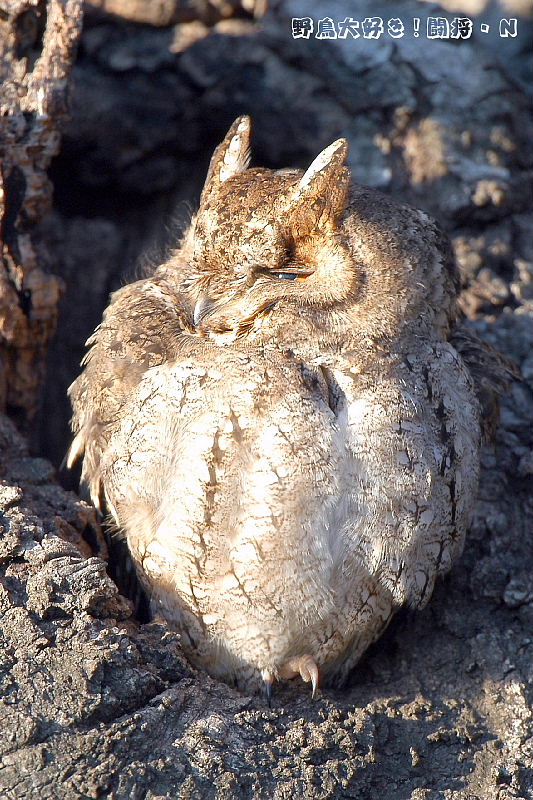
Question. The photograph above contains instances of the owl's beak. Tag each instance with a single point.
(204, 306)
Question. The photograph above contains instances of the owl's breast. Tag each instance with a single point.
(269, 504)
(239, 460)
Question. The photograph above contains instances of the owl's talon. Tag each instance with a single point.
(314, 680)
(268, 680)
(304, 666)
(268, 693)
(309, 672)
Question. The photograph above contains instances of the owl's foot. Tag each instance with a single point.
(304, 666)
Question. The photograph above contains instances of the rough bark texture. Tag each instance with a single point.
(37, 41)
(94, 704)
(169, 12)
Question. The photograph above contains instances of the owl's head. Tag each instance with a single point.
(342, 261)
(265, 236)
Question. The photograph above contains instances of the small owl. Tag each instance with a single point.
(283, 419)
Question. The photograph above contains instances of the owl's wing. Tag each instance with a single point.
(144, 325)
(414, 433)
(491, 371)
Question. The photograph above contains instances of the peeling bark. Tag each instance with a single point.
(37, 42)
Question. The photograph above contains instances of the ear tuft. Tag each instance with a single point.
(237, 154)
(325, 166)
(230, 158)
(321, 194)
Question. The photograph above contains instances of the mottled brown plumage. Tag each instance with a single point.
(283, 419)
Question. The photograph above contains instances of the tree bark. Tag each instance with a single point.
(170, 12)
(37, 43)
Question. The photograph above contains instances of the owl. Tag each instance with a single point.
(284, 419)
